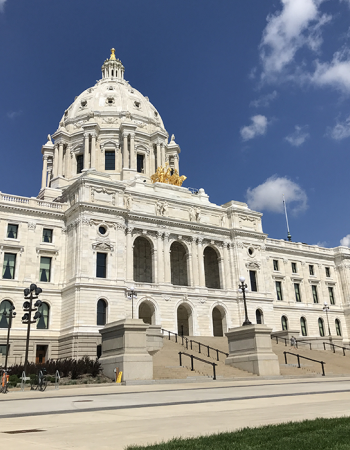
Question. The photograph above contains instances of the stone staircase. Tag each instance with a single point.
(166, 362)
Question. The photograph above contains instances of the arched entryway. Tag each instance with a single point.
(147, 312)
(142, 260)
(184, 320)
(219, 321)
(211, 268)
(178, 263)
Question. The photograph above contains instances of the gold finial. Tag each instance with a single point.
(112, 58)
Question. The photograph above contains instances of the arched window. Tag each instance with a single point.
(142, 260)
(303, 326)
(337, 327)
(178, 263)
(284, 322)
(259, 316)
(321, 327)
(101, 312)
(43, 322)
(219, 321)
(211, 268)
(5, 305)
(147, 312)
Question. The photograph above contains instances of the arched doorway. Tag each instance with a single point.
(184, 320)
(211, 268)
(178, 263)
(142, 260)
(147, 312)
(219, 321)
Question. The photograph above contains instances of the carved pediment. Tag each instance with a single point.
(106, 246)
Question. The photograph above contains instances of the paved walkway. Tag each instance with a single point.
(106, 417)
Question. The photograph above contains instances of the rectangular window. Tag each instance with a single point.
(314, 293)
(275, 264)
(253, 285)
(3, 349)
(110, 160)
(101, 265)
(45, 269)
(279, 290)
(47, 235)
(8, 270)
(140, 163)
(294, 267)
(328, 272)
(12, 231)
(331, 295)
(80, 163)
(297, 292)
(311, 270)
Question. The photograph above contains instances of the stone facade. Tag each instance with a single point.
(109, 227)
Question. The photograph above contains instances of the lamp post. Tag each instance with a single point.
(131, 294)
(29, 295)
(10, 315)
(243, 288)
(326, 309)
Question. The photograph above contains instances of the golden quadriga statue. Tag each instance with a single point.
(168, 176)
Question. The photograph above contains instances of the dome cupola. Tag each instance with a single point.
(113, 67)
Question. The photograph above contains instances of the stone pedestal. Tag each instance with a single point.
(124, 346)
(154, 339)
(250, 349)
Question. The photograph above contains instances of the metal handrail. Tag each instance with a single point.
(304, 342)
(335, 345)
(208, 349)
(304, 357)
(176, 336)
(288, 340)
(282, 338)
(199, 359)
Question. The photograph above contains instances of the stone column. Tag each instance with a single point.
(155, 265)
(73, 164)
(227, 272)
(159, 159)
(60, 159)
(160, 257)
(93, 151)
(167, 277)
(223, 284)
(176, 162)
(55, 162)
(194, 278)
(86, 151)
(68, 162)
(201, 263)
(162, 152)
(132, 151)
(44, 174)
(125, 151)
(129, 255)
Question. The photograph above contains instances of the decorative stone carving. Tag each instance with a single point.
(161, 208)
(110, 120)
(102, 194)
(31, 226)
(223, 220)
(103, 246)
(254, 265)
(128, 202)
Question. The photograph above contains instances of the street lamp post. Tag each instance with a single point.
(243, 288)
(11, 314)
(29, 295)
(131, 294)
(326, 309)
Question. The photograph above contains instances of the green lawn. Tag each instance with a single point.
(319, 434)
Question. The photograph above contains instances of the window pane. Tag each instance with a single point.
(101, 312)
(337, 327)
(297, 292)
(47, 235)
(320, 327)
(101, 265)
(284, 321)
(43, 322)
(311, 270)
(45, 268)
(253, 285)
(110, 160)
(331, 295)
(5, 305)
(275, 264)
(279, 290)
(328, 272)
(259, 316)
(314, 294)
(80, 163)
(8, 270)
(303, 326)
(140, 163)
(12, 231)
(294, 267)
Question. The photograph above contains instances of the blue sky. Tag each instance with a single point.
(256, 92)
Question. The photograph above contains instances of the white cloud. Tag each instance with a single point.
(297, 25)
(345, 241)
(299, 136)
(264, 100)
(341, 130)
(268, 195)
(257, 128)
(2, 4)
(335, 73)
(13, 114)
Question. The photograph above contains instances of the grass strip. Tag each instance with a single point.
(318, 434)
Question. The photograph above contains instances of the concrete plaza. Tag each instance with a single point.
(115, 416)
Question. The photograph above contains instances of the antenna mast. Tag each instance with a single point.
(289, 236)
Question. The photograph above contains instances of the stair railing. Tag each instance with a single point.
(182, 337)
(335, 345)
(286, 341)
(198, 359)
(304, 357)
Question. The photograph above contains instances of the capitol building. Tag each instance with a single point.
(112, 213)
